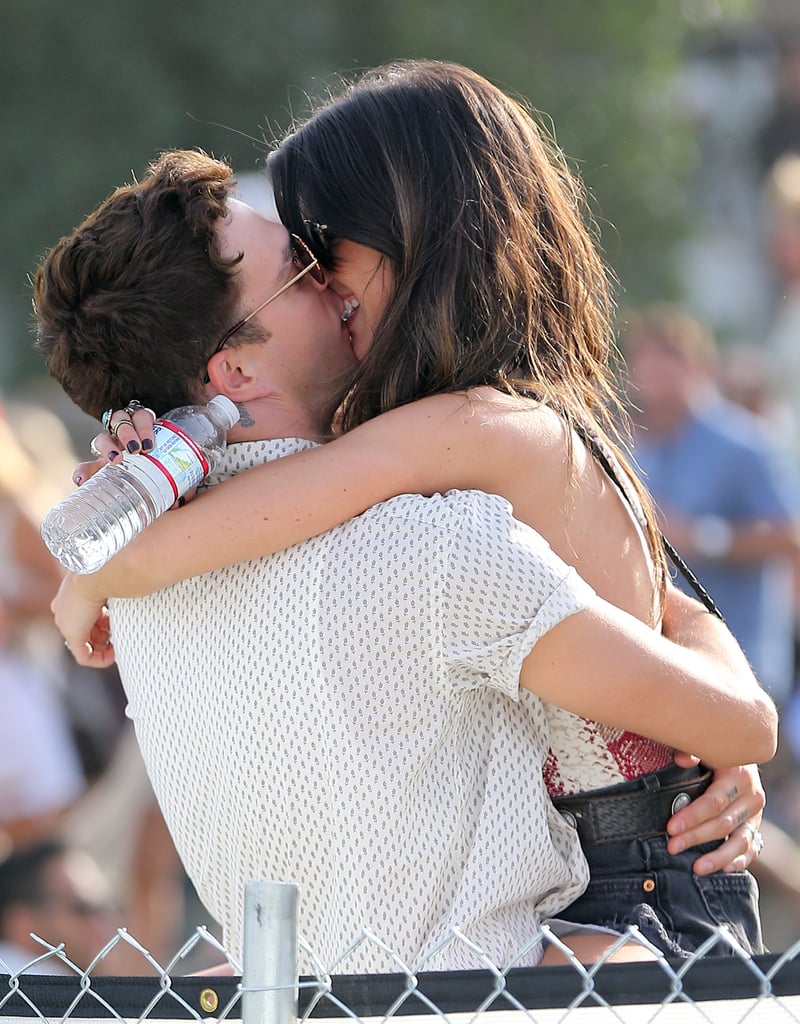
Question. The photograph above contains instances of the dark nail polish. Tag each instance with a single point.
(112, 456)
(147, 444)
(77, 479)
(133, 446)
(181, 501)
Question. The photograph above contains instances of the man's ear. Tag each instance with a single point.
(232, 372)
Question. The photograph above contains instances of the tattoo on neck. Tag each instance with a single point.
(245, 419)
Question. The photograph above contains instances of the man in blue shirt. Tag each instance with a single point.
(728, 501)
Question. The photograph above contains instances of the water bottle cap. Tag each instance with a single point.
(227, 410)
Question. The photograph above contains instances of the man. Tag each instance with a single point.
(210, 700)
(728, 500)
(312, 687)
(58, 893)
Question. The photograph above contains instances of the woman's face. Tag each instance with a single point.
(363, 279)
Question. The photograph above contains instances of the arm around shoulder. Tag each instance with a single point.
(436, 444)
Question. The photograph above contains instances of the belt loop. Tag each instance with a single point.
(651, 783)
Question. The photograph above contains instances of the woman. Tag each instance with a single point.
(472, 289)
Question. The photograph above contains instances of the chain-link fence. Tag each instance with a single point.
(266, 989)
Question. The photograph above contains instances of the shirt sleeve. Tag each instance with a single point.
(505, 589)
(769, 493)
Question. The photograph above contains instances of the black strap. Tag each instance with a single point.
(596, 448)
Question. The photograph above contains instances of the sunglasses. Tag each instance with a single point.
(303, 258)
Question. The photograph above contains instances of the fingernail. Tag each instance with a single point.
(181, 502)
(112, 456)
(77, 479)
(133, 446)
(147, 444)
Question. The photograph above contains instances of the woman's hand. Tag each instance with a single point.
(730, 809)
(127, 430)
(81, 616)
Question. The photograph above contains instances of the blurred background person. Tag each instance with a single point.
(41, 775)
(119, 821)
(70, 769)
(58, 893)
(782, 340)
(746, 379)
(728, 500)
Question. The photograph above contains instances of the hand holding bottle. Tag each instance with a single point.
(127, 430)
(127, 494)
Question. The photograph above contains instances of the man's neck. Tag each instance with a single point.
(270, 419)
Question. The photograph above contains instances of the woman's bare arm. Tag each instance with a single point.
(695, 692)
(436, 444)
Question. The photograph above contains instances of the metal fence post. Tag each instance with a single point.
(269, 953)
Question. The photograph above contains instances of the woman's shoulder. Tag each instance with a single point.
(487, 433)
(487, 407)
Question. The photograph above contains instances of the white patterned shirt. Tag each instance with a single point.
(346, 715)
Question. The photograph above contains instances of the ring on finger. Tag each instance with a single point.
(95, 450)
(757, 840)
(135, 406)
(113, 428)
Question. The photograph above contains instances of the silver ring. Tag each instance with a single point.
(66, 644)
(106, 417)
(94, 450)
(757, 840)
(135, 406)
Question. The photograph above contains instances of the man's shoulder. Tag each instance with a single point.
(445, 509)
(728, 428)
(244, 455)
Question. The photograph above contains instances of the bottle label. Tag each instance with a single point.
(175, 465)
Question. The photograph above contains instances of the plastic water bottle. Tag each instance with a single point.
(98, 519)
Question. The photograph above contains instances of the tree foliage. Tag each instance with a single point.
(95, 90)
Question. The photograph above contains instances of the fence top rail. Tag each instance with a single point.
(707, 978)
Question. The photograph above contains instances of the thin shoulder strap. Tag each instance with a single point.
(596, 448)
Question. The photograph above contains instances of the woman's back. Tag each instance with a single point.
(580, 510)
(573, 503)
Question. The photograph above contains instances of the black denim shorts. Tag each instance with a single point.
(638, 882)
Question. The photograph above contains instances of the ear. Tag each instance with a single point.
(236, 372)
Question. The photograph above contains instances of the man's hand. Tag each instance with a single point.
(734, 799)
(82, 618)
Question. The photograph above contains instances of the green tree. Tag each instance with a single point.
(94, 90)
